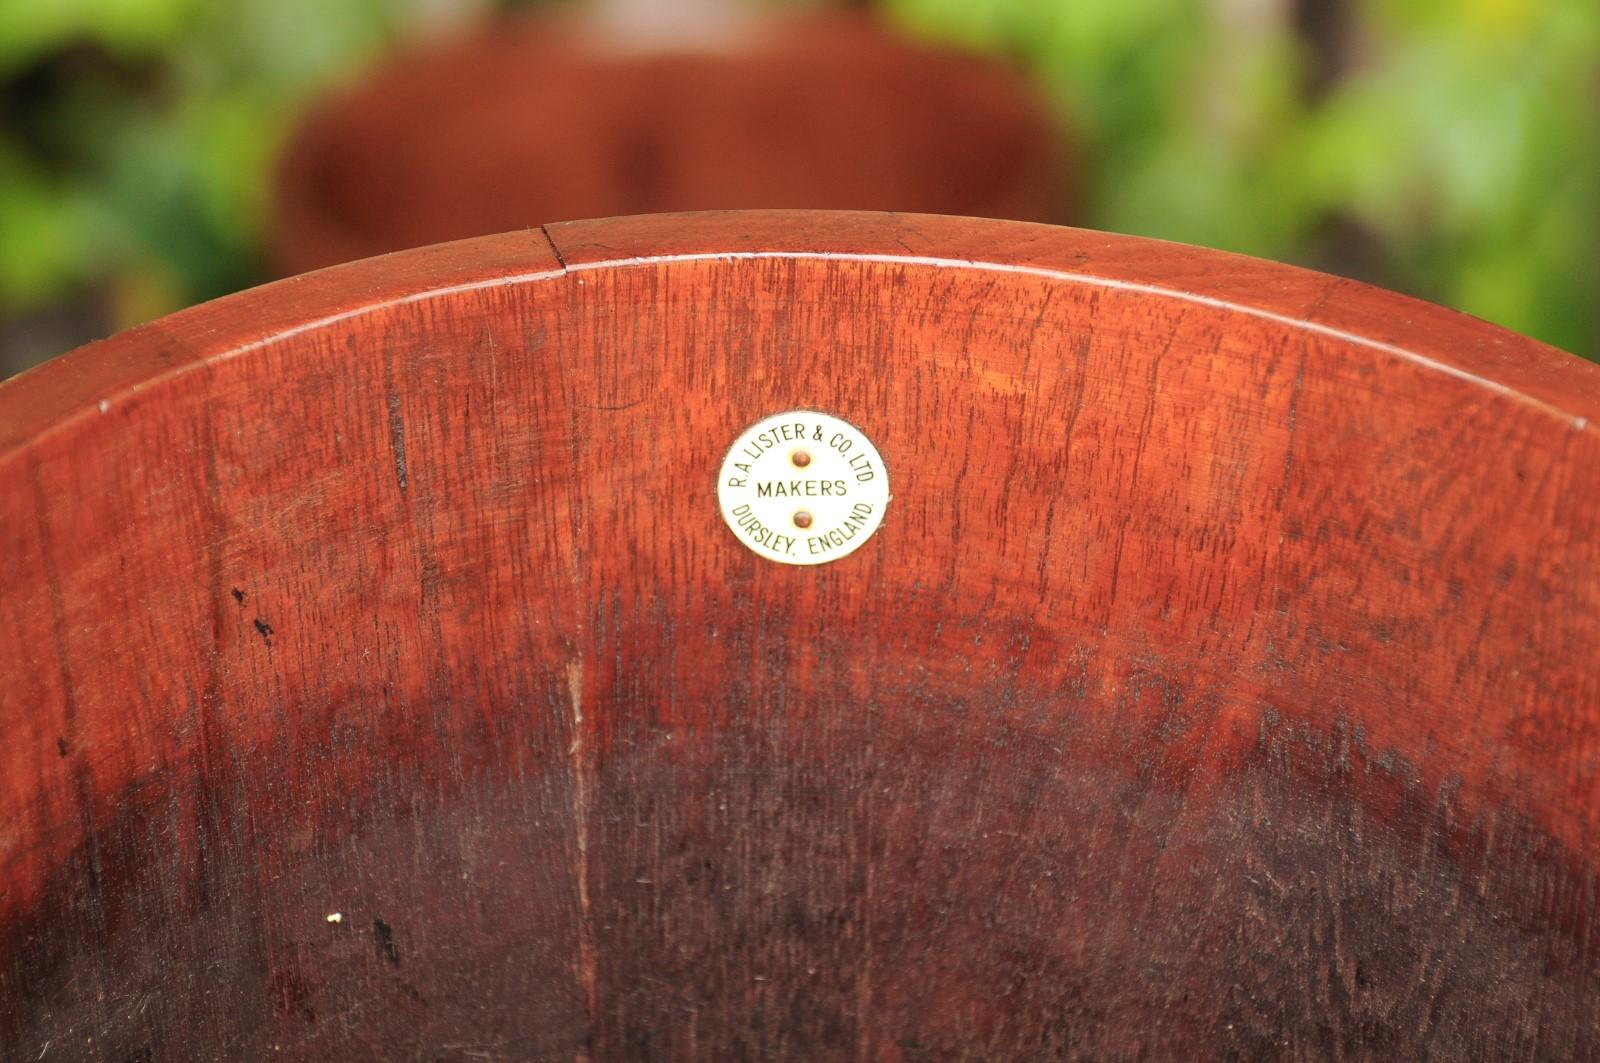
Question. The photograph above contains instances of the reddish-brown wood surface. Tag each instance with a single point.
(1221, 683)
(561, 116)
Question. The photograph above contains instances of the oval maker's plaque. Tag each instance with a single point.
(803, 488)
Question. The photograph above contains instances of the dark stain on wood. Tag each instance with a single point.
(383, 935)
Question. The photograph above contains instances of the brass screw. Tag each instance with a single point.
(802, 519)
(800, 458)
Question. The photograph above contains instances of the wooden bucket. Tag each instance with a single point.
(380, 679)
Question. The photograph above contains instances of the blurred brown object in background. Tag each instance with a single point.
(533, 120)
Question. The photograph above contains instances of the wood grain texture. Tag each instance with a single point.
(1220, 685)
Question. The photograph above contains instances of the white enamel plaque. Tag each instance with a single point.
(803, 488)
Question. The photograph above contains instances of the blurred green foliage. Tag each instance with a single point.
(1457, 141)
(138, 137)
(1453, 150)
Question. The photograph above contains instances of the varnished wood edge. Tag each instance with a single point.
(94, 379)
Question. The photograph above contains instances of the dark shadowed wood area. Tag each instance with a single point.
(379, 680)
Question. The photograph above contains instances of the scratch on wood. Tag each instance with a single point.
(397, 439)
(580, 815)
(864, 1027)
